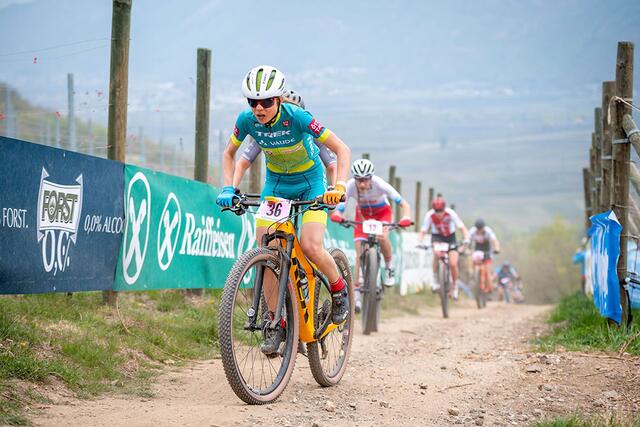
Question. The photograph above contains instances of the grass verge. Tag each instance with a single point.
(577, 325)
(612, 420)
(56, 341)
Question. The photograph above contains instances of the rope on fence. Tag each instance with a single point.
(626, 101)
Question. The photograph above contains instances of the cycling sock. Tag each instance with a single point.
(387, 262)
(338, 285)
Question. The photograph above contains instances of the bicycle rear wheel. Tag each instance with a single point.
(329, 355)
(477, 287)
(443, 274)
(255, 377)
(487, 290)
(371, 303)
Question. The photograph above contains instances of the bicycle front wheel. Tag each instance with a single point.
(443, 273)
(328, 356)
(371, 303)
(256, 378)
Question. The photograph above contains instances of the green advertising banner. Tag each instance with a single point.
(175, 236)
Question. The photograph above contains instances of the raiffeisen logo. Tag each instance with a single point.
(205, 239)
(59, 209)
(183, 233)
(136, 232)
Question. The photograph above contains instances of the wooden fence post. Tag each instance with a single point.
(431, 193)
(621, 159)
(596, 171)
(592, 175)
(597, 114)
(634, 216)
(588, 211)
(118, 93)
(418, 203)
(392, 175)
(71, 117)
(365, 156)
(398, 187)
(203, 100)
(608, 90)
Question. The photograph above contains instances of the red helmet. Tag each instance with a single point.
(438, 204)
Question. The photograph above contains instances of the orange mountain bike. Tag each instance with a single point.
(298, 306)
(481, 277)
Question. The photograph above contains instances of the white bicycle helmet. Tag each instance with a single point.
(293, 97)
(362, 168)
(262, 82)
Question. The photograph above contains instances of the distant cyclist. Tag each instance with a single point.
(506, 270)
(253, 150)
(372, 195)
(507, 275)
(484, 240)
(580, 258)
(442, 222)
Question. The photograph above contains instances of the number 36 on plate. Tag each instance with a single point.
(274, 209)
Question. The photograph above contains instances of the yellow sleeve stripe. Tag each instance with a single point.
(323, 137)
(236, 141)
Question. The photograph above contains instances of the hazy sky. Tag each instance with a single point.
(406, 76)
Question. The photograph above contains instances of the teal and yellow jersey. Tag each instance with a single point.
(288, 142)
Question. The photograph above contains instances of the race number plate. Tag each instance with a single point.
(371, 226)
(274, 209)
(477, 257)
(440, 246)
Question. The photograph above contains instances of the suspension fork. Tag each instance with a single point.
(445, 260)
(365, 246)
(285, 265)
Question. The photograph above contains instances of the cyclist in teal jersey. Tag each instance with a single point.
(253, 150)
(294, 171)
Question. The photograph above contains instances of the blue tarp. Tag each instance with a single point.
(604, 236)
(61, 218)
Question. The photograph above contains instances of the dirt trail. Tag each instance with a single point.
(419, 370)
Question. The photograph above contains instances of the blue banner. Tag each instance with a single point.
(61, 219)
(604, 250)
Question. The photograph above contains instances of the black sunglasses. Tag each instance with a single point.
(266, 103)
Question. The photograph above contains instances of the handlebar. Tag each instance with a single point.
(392, 225)
(456, 246)
(253, 200)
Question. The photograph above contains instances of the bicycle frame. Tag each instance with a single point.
(444, 256)
(484, 273)
(372, 240)
(292, 259)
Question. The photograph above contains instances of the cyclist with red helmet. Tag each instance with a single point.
(442, 222)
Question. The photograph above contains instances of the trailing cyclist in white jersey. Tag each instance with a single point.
(373, 195)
